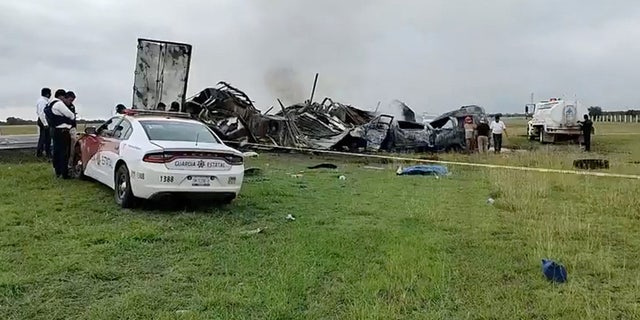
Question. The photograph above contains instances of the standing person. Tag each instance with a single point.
(44, 138)
(497, 129)
(587, 130)
(61, 120)
(469, 133)
(120, 108)
(483, 136)
(47, 112)
(73, 132)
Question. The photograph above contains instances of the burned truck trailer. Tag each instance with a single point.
(161, 74)
(328, 125)
(233, 116)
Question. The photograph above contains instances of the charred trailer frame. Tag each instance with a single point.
(161, 73)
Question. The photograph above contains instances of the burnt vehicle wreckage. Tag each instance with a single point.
(161, 74)
(327, 125)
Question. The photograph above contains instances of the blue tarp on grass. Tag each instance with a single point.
(424, 170)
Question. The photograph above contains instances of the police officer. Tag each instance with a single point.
(61, 120)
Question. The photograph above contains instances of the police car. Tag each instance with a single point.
(150, 154)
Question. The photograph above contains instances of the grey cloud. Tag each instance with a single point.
(433, 55)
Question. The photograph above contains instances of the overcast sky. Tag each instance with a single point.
(433, 55)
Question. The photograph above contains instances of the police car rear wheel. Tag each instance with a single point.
(123, 194)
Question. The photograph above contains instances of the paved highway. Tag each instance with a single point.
(23, 141)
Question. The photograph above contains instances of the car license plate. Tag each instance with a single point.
(201, 182)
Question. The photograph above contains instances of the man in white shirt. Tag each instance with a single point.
(497, 129)
(44, 139)
(62, 119)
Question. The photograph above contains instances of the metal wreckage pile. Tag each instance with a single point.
(328, 125)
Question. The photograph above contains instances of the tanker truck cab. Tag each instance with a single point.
(555, 120)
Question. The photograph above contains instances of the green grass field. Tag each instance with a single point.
(373, 246)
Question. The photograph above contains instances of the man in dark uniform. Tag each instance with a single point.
(57, 97)
(587, 130)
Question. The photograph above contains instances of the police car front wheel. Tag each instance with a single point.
(123, 194)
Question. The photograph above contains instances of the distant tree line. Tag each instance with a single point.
(13, 121)
(597, 111)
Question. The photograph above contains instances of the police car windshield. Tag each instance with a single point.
(167, 130)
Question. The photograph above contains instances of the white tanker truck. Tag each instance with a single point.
(555, 120)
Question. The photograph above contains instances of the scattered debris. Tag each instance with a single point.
(249, 154)
(373, 168)
(491, 200)
(252, 172)
(324, 166)
(254, 231)
(428, 170)
(342, 178)
(296, 176)
(591, 164)
(554, 271)
(290, 217)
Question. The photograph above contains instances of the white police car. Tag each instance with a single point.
(150, 154)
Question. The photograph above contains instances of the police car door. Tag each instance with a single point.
(115, 144)
(108, 151)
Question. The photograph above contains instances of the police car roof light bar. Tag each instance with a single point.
(137, 112)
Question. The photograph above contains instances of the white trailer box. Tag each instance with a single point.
(162, 72)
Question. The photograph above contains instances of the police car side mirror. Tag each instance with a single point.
(90, 130)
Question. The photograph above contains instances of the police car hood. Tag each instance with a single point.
(192, 146)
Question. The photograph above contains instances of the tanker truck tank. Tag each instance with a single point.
(556, 120)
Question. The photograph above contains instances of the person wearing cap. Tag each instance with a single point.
(120, 108)
(469, 133)
(483, 136)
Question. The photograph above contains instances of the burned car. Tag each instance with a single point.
(384, 132)
(476, 113)
(387, 134)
